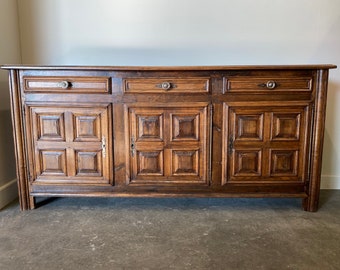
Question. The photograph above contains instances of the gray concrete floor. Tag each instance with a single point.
(125, 233)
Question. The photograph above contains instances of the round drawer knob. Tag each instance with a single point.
(166, 85)
(64, 84)
(271, 84)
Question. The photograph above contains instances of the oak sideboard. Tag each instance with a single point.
(205, 131)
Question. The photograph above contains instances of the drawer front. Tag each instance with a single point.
(67, 84)
(267, 84)
(166, 85)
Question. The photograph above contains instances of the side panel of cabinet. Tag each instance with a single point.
(168, 144)
(69, 145)
(267, 144)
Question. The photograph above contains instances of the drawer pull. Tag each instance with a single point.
(166, 85)
(268, 85)
(64, 84)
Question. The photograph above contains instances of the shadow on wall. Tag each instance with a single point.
(7, 160)
(331, 159)
(4, 92)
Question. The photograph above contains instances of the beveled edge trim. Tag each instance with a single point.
(171, 68)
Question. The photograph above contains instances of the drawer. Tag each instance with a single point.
(167, 85)
(267, 84)
(67, 84)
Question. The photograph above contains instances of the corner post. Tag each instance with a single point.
(26, 201)
(311, 203)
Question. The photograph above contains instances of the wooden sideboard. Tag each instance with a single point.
(208, 131)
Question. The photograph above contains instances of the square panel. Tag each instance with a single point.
(185, 162)
(249, 126)
(247, 162)
(53, 162)
(149, 127)
(87, 127)
(185, 127)
(150, 163)
(286, 126)
(51, 127)
(88, 163)
(284, 162)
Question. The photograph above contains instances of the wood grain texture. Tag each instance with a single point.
(313, 189)
(206, 131)
(25, 199)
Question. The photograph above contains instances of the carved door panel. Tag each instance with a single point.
(168, 145)
(266, 144)
(69, 145)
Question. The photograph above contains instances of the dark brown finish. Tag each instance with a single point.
(266, 143)
(168, 144)
(66, 84)
(162, 85)
(237, 131)
(69, 144)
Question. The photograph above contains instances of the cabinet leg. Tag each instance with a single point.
(32, 203)
(310, 204)
(26, 202)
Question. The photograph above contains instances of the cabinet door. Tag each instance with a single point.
(168, 145)
(69, 145)
(265, 144)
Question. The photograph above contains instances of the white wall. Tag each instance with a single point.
(190, 32)
(9, 53)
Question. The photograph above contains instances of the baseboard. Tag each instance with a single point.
(8, 193)
(330, 182)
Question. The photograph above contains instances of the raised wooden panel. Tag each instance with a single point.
(150, 163)
(286, 126)
(168, 144)
(87, 127)
(51, 127)
(146, 124)
(88, 163)
(150, 127)
(284, 162)
(52, 162)
(247, 162)
(185, 127)
(278, 135)
(185, 162)
(48, 125)
(249, 126)
(83, 135)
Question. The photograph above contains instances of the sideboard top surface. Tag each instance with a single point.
(172, 68)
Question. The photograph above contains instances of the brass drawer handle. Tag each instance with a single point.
(269, 84)
(64, 84)
(166, 85)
